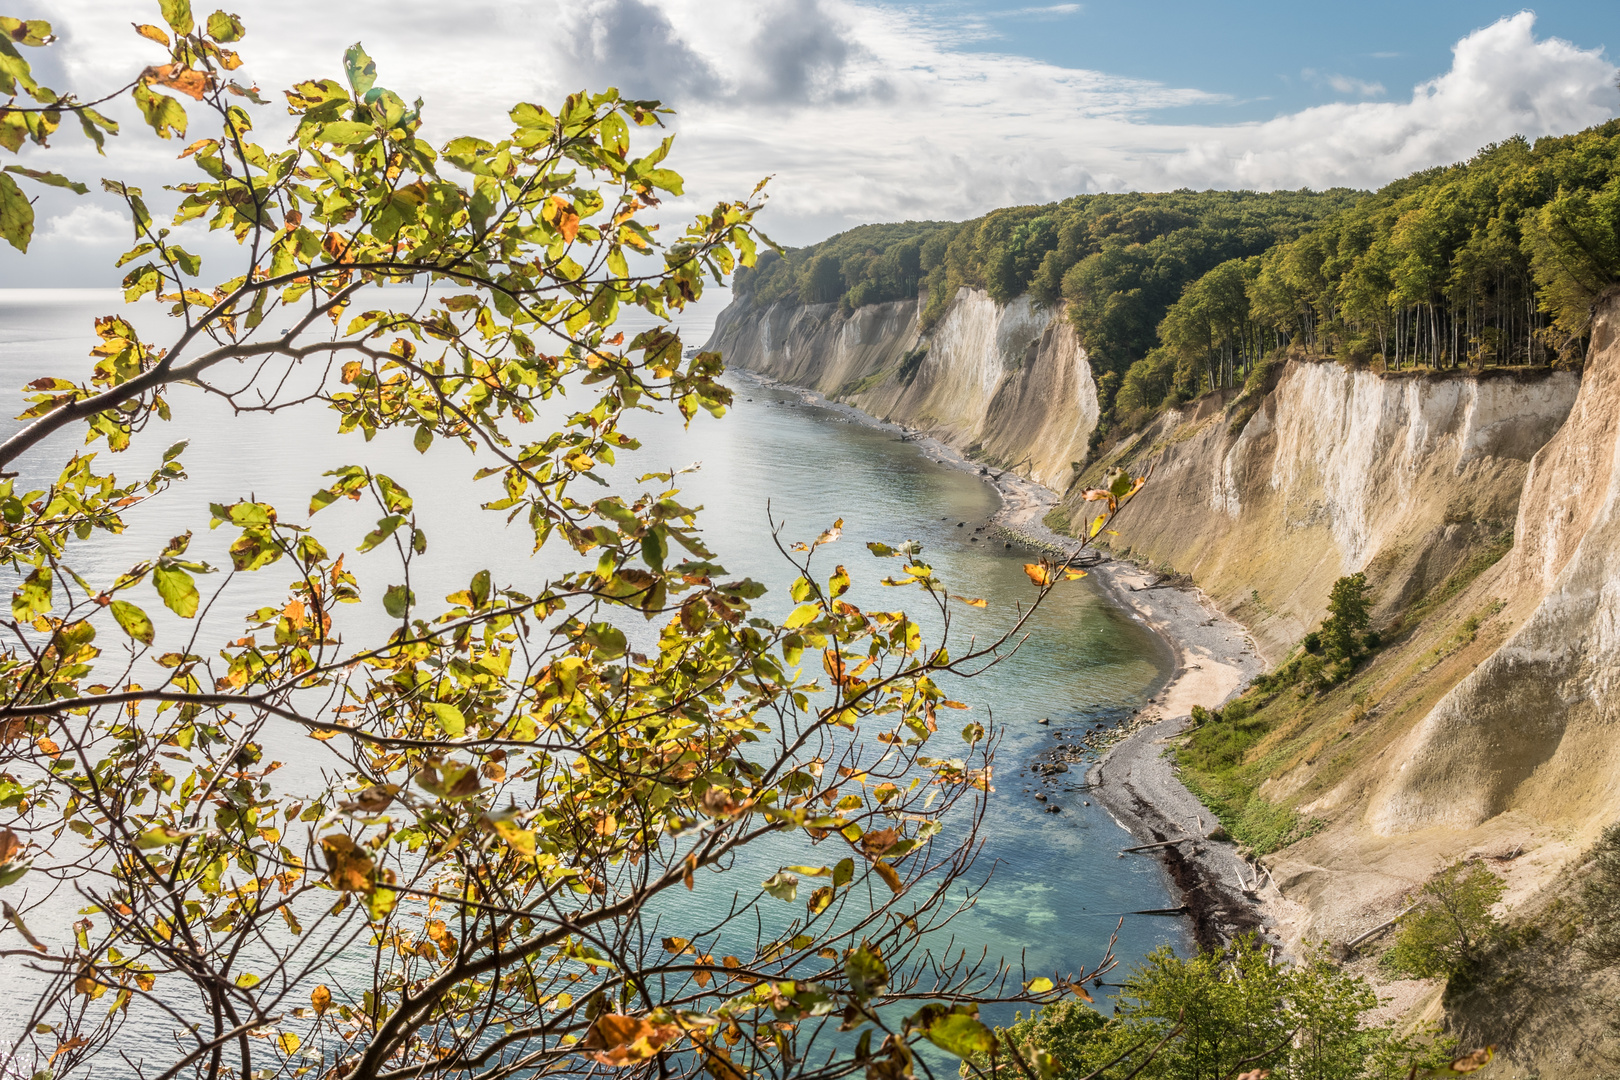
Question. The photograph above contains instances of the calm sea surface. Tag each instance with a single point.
(1056, 882)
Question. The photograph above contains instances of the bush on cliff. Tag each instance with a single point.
(1218, 1015)
(1450, 925)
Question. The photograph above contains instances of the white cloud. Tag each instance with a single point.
(1343, 84)
(1046, 11)
(86, 224)
(864, 112)
(1503, 81)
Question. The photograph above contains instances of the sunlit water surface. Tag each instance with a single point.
(1056, 882)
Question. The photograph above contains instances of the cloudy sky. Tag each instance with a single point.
(864, 111)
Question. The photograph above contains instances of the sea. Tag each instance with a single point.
(1052, 888)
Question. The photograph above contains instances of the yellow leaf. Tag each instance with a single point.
(289, 1042)
(1038, 573)
(321, 999)
(972, 601)
(152, 33)
(890, 876)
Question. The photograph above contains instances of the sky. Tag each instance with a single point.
(862, 110)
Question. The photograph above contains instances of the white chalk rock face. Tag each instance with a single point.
(1334, 471)
(1534, 727)
(1353, 445)
(1007, 382)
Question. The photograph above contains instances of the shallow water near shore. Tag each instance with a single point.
(1057, 884)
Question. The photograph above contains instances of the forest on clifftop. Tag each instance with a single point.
(1492, 261)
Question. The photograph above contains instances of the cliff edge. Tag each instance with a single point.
(1005, 383)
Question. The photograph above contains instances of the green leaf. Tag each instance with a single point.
(865, 971)
(782, 885)
(385, 528)
(381, 902)
(12, 871)
(33, 596)
(162, 835)
(134, 621)
(397, 601)
(608, 639)
(30, 32)
(49, 178)
(450, 719)
(177, 13)
(165, 115)
(962, 1035)
(803, 615)
(843, 872)
(177, 588)
(347, 132)
(16, 214)
(360, 68)
(225, 28)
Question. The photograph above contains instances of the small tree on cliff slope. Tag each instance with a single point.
(1348, 612)
(475, 870)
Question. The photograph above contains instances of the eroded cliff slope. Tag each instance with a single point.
(1267, 501)
(1008, 384)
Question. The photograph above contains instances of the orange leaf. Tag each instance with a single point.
(890, 876)
(566, 218)
(321, 998)
(188, 81)
(350, 869)
(1038, 573)
(618, 1040)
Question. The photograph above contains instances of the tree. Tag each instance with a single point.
(498, 797)
(1450, 925)
(1349, 610)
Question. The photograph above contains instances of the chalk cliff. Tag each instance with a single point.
(1008, 383)
(1485, 511)
(1267, 502)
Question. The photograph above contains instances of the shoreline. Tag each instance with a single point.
(1214, 658)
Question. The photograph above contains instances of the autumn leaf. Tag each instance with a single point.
(189, 81)
(321, 999)
(15, 919)
(890, 876)
(617, 1040)
(1038, 573)
(373, 800)
(349, 868)
(972, 601)
(827, 537)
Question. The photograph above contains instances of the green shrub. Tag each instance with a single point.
(1600, 896)
(1450, 926)
(1230, 1011)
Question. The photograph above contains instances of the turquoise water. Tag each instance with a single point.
(1055, 881)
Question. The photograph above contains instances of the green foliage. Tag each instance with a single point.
(1450, 926)
(1219, 1014)
(1329, 655)
(498, 788)
(1600, 897)
(1348, 609)
(866, 265)
(1215, 766)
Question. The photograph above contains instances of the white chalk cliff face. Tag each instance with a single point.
(1336, 471)
(1534, 727)
(1008, 383)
